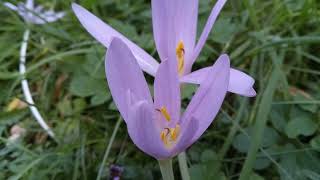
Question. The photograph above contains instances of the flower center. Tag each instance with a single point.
(180, 57)
(169, 136)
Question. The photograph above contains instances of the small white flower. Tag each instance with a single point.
(16, 133)
(35, 14)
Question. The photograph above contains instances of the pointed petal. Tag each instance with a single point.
(167, 89)
(206, 31)
(239, 83)
(51, 16)
(10, 6)
(46, 16)
(174, 21)
(104, 34)
(143, 131)
(208, 99)
(39, 9)
(123, 74)
(29, 4)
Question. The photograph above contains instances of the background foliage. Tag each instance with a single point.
(275, 134)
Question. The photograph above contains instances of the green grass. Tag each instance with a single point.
(272, 136)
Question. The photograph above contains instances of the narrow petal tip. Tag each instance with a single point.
(74, 6)
(224, 60)
(10, 6)
(251, 93)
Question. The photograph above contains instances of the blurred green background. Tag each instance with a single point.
(272, 136)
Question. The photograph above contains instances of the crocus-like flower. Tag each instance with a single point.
(35, 15)
(156, 126)
(174, 27)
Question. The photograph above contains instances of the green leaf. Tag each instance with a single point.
(208, 155)
(315, 143)
(301, 126)
(79, 105)
(203, 172)
(242, 142)
(310, 174)
(223, 30)
(100, 98)
(308, 107)
(294, 5)
(255, 176)
(83, 85)
(261, 163)
(277, 117)
(94, 63)
(65, 107)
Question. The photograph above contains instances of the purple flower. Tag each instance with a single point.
(35, 15)
(156, 126)
(174, 27)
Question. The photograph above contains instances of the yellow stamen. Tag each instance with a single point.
(163, 136)
(165, 113)
(169, 136)
(180, 56)
(174, 132)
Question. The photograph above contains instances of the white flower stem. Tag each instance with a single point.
(182, 157)
(25, 85)
(166, 169)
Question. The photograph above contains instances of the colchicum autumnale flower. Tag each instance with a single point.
(174, 27)
(35, 14)
(156, 126)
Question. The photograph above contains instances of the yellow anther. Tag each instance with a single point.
(180, 56)
(163, 136)
(169, 136)
(174, 132)
(165, 113)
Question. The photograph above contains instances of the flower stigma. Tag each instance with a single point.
(180, 57)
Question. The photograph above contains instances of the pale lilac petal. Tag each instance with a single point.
(167, 90)
(42, 17)
(144, 132)
(123, 74)
(51, 16)
(206, 31)
(174, 21)
(10, 6)
(208, 99)
(195, 77)
(104, 34)
(39, 9)
(160, 22)
(29, 4)
(239, 83)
